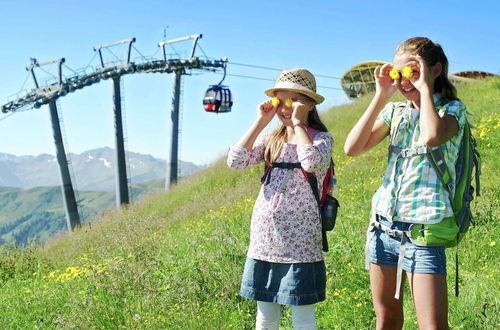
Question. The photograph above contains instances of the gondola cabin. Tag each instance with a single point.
(218, 99)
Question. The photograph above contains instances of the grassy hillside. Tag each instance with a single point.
(174, 261)
(34, 215)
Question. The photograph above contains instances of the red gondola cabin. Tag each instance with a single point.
(217, 99)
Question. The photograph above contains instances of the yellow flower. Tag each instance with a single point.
(394, 73)
(288, 102)
(493, 243)
(407, 72)
(275, 101)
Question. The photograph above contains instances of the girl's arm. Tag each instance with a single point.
(312, 156)
(369, 130)
(435, 130)
(265, 113)
(249, 150)
(299, 117)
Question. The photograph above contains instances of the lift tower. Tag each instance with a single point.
(122, 196)
(68, 194)
(173, 161)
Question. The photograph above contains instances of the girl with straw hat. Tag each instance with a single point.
(285, 263)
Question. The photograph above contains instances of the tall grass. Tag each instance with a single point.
(174, 261)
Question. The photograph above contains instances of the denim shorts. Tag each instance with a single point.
(284, 284)
(384, 250)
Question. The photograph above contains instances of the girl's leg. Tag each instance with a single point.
(303, 317)
(268, 316)
(389, 310)
(430, 297)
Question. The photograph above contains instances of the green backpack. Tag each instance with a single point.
(449, 231)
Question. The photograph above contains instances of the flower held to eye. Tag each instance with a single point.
(407, 72)
(275, 101)
(394, 73)
(288, 102)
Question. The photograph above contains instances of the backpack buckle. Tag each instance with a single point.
(410, 152)
(394, 232)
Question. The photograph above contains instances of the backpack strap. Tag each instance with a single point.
(396, 120)
(266, 178)
(330, 173)
(404, 235)
(476, 158)
(313, 182)
(436, 158)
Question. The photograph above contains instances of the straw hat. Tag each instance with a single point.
(296, 80)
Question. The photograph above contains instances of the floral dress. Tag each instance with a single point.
(286, 227)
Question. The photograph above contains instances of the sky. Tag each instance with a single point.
(326, 37)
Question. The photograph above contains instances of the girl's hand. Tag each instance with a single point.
(422, 77)
(300, 112)
(384, 84)
(266, 111)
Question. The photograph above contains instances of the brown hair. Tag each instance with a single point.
(432, 53)
(278, 136)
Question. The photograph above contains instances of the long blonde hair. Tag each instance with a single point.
(279, 135)
(432, 53)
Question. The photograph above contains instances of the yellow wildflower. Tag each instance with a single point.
(288, 102)
(407, 72)
(493, 243)
(275, 101)
(394, 73)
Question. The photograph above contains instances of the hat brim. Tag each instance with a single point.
(297, 89)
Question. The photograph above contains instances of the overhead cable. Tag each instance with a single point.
(276, 69)
(267, 79)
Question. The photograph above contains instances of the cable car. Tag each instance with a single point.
(218, 97)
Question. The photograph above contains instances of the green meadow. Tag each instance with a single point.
(174, 260)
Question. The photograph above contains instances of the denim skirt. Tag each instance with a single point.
(284, 284)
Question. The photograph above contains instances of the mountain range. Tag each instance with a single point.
(30, 195)
(92, 170)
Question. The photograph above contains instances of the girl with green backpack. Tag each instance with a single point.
(412, 200)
